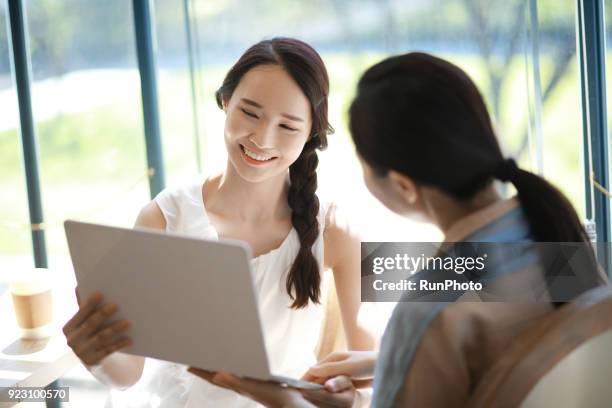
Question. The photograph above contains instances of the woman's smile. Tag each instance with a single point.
(252, 157)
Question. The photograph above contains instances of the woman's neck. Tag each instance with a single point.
(231, 196)
(445, 211)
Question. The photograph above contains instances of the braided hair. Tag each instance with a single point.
(307, 69)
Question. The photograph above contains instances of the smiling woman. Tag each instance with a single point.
(273, 87)
(275, 101)
(258, 128)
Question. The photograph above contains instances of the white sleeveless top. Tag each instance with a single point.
(291, 335)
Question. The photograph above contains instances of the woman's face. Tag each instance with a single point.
(267, 124)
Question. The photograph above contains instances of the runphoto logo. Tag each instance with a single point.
(412, 264)
(448, 284)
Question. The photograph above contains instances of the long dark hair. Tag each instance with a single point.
(307, 69)
(415, 108)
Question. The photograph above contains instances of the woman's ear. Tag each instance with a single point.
(404, 186)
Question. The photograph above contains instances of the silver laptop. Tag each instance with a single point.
(189, 301)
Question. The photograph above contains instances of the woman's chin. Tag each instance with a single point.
(253, 174)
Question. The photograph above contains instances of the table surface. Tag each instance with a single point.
(34, 363)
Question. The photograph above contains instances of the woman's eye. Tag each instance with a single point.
(288, 128)
(251, 114)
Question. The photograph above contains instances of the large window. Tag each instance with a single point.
(86, 94)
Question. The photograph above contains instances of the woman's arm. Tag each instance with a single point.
(338, 392)
(120, 370)
(343, 256)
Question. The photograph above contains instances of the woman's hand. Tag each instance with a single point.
(339, 392)
(89, 336)
(357, 365)
(266, 393)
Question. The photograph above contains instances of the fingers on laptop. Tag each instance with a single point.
(326, 370)
(338, 384)
(330, 366)
(94, 356)
(339, 392)
(358, 365)
(88, 334)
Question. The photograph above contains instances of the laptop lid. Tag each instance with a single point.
(189, 300)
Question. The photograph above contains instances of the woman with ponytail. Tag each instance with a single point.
(275, 101)
(427, 147)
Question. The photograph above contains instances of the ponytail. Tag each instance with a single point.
(552, 218)
(544, 205)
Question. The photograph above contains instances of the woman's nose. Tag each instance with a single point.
(263, 138)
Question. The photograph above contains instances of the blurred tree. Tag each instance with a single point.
(73, 34)
(51, 32)
(507, 43)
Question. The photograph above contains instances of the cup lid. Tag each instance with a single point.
(31, 281)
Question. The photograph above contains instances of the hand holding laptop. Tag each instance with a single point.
(87, 334)
(338, 392)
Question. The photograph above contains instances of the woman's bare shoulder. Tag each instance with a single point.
(341, 239)
(338, 227)
(151, 217)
